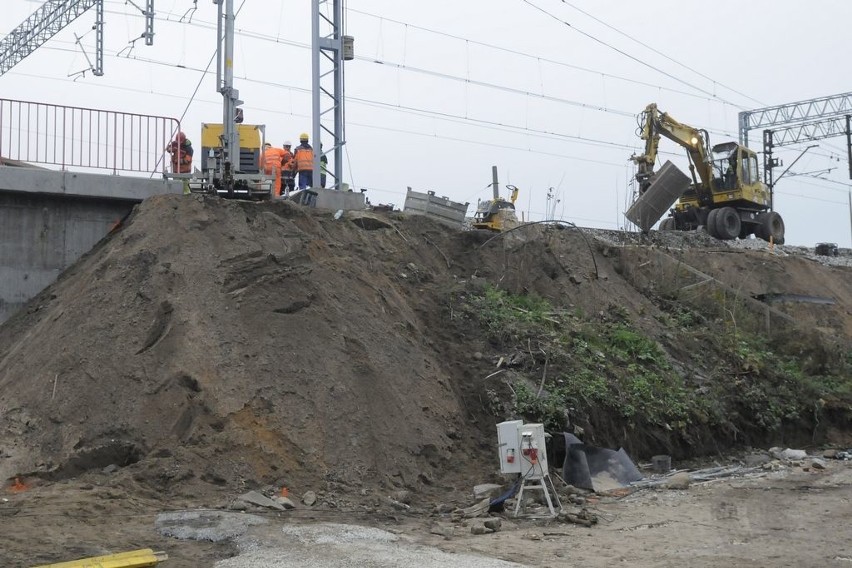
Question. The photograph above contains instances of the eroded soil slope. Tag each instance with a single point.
(210, 343)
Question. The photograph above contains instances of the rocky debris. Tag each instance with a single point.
(213, 526)
(788, 454)
(479, 529)
(260, 500)
(403, 496)
(582, 517)
(680, 480)
(284, 502)
(486, 490)
(444, 530)
(487, 526)
(817, 463)
(309, 498)
(756, 460)
(477, 510)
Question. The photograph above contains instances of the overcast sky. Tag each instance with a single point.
(442, 90)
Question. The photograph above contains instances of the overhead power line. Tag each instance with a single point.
(537, 57)
(625, 54)
(660, 53)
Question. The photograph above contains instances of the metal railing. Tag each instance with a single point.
(77, 137)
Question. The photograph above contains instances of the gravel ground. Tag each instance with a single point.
(346, 546)
(691, 239)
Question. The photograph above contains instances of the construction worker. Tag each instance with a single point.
(304, 157)
(323, 167)
(288, 168)
(181, 150)
(270, 162)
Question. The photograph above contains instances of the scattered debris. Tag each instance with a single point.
(583, 517)
(477, 510)
(260, 500)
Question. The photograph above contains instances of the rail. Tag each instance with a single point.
(66, 136)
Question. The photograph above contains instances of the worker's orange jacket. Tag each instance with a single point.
(288, 162)
(181, 157)
(271, 160)
(304, 157)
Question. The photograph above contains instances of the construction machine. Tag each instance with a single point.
(241, 178)
(496, 214)
(723, 192)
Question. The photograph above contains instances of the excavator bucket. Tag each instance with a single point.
(668, 185)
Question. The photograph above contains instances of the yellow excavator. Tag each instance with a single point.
(723, 192)
(496, 214)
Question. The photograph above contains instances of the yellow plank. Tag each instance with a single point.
(134, 559)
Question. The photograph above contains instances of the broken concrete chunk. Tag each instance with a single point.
(284, 502)
(257, 498)
(309, 498)
(479, 529)
(788, 454)
(817, 463)
(494, 524)
(678, 481)
(486, 490)
(476, 510)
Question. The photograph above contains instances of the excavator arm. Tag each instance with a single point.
(653, 125)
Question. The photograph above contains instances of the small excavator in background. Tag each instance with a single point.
(725, 194)
(496, 214)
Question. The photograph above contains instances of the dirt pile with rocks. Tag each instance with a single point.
(218, 343)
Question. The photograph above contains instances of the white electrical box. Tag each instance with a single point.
(522, 449)
(533, 451)
(508, 446)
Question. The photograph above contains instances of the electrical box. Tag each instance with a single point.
(521, 448)
(533, 451)
(508, 446)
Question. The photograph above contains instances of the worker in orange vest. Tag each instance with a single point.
(270, 162)
(181, 150)
(304, 157)
(288, 168)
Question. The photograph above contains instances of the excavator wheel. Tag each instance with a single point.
(770, 226)
(667, 224)
(711, 223)
(727, 223)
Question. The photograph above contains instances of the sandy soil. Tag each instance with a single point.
(788, 517)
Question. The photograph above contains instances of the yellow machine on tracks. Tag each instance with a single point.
(497, 214)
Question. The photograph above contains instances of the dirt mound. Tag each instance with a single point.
(231, 344)
(243, 341)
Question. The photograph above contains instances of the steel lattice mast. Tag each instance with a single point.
(330, 48)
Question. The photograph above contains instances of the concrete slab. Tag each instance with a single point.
(32, 180)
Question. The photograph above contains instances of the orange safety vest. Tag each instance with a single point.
(271, 160)
(181, 159)
(304, 158)
(287, 160)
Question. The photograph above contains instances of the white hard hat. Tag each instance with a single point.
(288, 143)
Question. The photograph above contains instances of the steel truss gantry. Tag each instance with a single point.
(50, 19)
(803, 121)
